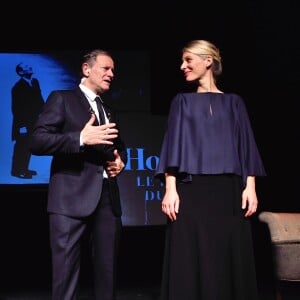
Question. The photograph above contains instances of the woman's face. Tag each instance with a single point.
(195, 66)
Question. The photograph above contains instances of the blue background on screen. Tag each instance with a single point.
(52, 74)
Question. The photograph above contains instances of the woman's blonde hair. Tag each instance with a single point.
(202, 48)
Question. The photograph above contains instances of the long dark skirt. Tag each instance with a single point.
(209, 251)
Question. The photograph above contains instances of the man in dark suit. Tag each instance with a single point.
(27, 103)
(83, 191)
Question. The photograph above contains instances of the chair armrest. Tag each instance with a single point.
(283, 227)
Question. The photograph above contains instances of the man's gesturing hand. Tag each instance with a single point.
(103, 134)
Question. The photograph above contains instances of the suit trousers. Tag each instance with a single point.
(66, 235)
(21, 154)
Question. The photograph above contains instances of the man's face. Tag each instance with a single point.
(26, 70)
(100, 75)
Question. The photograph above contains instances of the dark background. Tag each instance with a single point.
(259, 43)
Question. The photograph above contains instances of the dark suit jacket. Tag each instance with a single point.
(27, 103)
(76, 174)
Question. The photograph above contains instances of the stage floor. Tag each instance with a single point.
(143, 293)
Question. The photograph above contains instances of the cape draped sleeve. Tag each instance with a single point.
(208, 133)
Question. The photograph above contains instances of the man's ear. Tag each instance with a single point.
(86, 69)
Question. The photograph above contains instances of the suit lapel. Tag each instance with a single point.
(84, 103)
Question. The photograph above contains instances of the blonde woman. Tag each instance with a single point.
(208, 162)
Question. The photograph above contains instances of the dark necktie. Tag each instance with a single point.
(100, 110)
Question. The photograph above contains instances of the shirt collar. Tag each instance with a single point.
(88, 93)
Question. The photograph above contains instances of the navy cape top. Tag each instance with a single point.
(209, 133)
